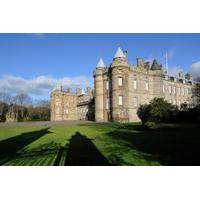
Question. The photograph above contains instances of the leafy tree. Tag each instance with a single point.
(157, 110)
(160, 110)
(143, 113)
(196, 94)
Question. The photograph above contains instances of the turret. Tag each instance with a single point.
(98, 87)
(155, 65)
(120, 59)
(119, 86)
(188, 76)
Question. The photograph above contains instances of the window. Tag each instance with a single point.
(163, 88)
(120, 81)
(170, 101)
(174, 90)
(170, 89)
(146, 85)
(107, 85)
(135, 101)
(57, 110)
(186, 91)
(134, 84)
(183, 92)
(67, 111)
(107, 103)
(179, 91)
(120, 100)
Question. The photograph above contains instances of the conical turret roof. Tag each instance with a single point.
(155, 65)
(119, 53)
(101, 63)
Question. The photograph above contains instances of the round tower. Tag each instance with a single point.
(98, 90)
(119, 84)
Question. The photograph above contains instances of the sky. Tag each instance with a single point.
(36, 63)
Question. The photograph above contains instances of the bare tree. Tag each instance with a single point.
(22, 100)
(5, 98)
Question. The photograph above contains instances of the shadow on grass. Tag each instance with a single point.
(176, 145)
(82, 152)
(10, 147)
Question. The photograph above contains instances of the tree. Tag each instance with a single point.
(22, 100)
(157, 110)
(196, 94)
(143, 113)
(5, 98)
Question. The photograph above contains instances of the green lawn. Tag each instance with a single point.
(100, 144)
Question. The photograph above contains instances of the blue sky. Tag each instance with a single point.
(43, 58)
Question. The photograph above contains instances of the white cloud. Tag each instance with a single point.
(195, 69)
(38, 34)
(41, 85)
(173, 71)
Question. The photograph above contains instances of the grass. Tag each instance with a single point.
(100, 144)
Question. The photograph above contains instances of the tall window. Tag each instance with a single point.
(182, 92)
(107, 103)
(107, 85)
(120, 100)
(170, 89)
(163, 88)
(174, 90)
(146, 85)
(135, 101)
(179, 91)
(186, 91)
(134, 84)
(56, 110)
(120, 81)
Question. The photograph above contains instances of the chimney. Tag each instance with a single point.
(140, 62)
(78, 91)
(88, 90)
(68, 90)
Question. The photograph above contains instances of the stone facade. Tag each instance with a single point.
(119, 90)
(68, 105)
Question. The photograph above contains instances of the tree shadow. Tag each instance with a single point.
(9, 148)
(169, 146)
(82, 152)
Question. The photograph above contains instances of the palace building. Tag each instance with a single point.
(119, 89)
